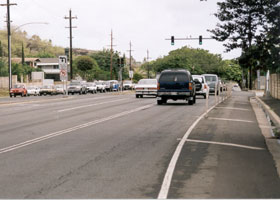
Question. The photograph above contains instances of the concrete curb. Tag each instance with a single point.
(273, 145)
(273, 116)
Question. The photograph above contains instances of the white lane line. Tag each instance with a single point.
(85, 106)
(233, 120)
(171, 167)
(58, 133)
(226, 144)
(233, 108)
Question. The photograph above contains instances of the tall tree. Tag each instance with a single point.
(1, 49)
(240, 22)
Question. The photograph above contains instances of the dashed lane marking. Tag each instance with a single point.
(232, 108)
(69, 130)
(233, 120)
(85, 106)
(225, 144)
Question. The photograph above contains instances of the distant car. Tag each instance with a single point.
(33, 90)
(236, 88)
(128, 85)
(108, 86)
(59, 89)
(18, 90)
(213, 82)
(146, 87)
(101, 86)
(47, 89)
(77, 87)
(91, 87)
(176, 84)
(202, 89)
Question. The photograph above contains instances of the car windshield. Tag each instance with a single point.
(46, 87)
(75, 83)
(18, 86)
(147, 82)
(173, 77)
(210, 79)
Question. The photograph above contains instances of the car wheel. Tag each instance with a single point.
(141, 96)
(137, 96)
(194, 99)
(190, 102)
(159, 102)
(11, 96)
(204, 96)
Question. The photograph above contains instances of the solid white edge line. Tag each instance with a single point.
(171, 167)
(58, 133)
(226, 144)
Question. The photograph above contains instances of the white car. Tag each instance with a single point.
(33, 90)
(236, 88)
(146, 87)
(59, 89)
(203, 89)
(91, 87)
(101, 86)
(127, 85)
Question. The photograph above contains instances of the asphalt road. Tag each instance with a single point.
(113, 146)
(93, 146)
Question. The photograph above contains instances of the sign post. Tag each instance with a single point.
(63, 65)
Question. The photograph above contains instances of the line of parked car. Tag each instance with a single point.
(75, 87)
(179, 84)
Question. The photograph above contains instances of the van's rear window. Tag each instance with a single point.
(174, 77)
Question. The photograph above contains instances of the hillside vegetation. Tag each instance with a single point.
(33, 46)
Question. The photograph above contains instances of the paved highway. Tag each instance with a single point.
(117, 146)
(93, 146)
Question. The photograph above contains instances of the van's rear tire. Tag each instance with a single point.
(159, 102)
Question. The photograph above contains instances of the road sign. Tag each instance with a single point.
(130, 74)
(63, 67)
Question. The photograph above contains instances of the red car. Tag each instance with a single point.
(18, 90)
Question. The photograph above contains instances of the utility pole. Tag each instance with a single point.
(148, 67)
(111, 65)
(130, 60)
(71, 50)
(9, 40)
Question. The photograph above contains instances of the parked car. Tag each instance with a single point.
(47, 89)
(202, 89)
(101, 86)
(176, 84)
(77, 87)
(146, 87)
(33, 90)
(128, 85)
(91, 87)
(18, 90)
(212, 81)
(59, 89)
(116, 85)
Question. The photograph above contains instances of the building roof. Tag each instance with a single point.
(18, 60)
(47, 60)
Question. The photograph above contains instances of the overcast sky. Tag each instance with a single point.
(146, 23)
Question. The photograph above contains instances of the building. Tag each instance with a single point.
(50, 66)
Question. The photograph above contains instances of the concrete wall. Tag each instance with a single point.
(4, 81)
(274, 85)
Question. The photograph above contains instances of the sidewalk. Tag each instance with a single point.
(226, 156)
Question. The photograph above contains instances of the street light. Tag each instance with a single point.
(18, 27)
(10, 55)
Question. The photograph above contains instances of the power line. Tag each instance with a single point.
(71, 50)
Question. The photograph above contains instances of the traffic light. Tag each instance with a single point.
(122, 62)
(200, 40)
(172, 40)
